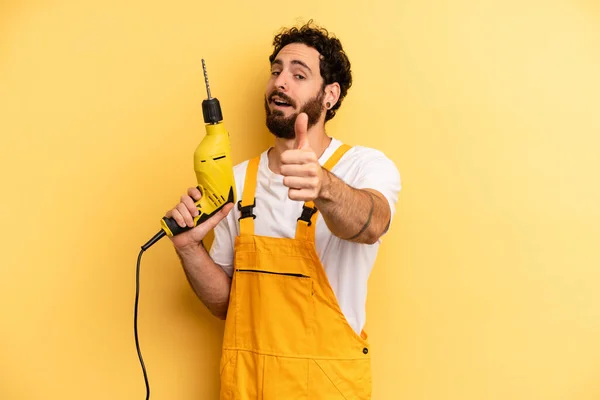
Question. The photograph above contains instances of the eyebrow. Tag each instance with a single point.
(297, 62)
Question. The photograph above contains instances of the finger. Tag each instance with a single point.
(297, 182)
(185, 213)
(298, 157)
(300, 194)
(301, 129)
(305, 170)
(176, 215)
(191, 206)
(194, 193)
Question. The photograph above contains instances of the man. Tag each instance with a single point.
(289, 264)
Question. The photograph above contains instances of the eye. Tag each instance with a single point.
(275, 73)
(300, 77)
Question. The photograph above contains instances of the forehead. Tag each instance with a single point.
(294, 52)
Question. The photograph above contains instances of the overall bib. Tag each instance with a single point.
(286, 337)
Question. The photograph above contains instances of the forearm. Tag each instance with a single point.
(208, 280)
(358, 215)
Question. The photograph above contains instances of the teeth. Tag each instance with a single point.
(280, 102)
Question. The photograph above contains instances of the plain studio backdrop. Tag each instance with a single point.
(488, 284)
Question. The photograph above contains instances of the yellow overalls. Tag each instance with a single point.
(286, 337)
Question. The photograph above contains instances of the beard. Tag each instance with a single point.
(283, 127)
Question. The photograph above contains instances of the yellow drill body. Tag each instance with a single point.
(214, 174)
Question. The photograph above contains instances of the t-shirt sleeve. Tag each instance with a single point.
(221, 250)
(378, 172)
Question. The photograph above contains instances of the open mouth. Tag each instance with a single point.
(280, 102)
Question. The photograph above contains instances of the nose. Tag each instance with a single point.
(280, 82)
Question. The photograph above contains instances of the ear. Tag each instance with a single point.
(332, 95)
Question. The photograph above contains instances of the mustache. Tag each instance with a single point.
(283, 97)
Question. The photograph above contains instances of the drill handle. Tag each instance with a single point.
(172, 228)
(175, 229)
(205, 209)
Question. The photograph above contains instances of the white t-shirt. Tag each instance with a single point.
(346, 264)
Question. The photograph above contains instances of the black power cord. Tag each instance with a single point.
(145, 247)
(135, 318)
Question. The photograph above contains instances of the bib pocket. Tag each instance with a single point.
(274, 311)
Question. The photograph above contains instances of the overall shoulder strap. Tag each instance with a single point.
(335, 157)
(248, 201)
(305, 228)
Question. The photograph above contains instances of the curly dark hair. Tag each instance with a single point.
(334, 65)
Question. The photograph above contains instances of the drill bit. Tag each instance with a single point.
(206, 79)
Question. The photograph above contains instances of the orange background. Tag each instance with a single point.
(486, 287)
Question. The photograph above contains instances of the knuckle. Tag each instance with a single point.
(177, 217)
(182, 209)
(193, 193)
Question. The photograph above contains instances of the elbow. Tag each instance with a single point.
(372, 235)
(221, 316)
(368, 237)
(371, 238)
(219, 311)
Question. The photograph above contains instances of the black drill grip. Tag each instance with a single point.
(176, 229)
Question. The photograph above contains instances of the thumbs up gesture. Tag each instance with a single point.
(300, 167)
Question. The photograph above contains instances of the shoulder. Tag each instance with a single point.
(362, 159)
(239, 169)
(367, 153)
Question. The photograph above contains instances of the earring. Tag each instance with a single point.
(328, 104)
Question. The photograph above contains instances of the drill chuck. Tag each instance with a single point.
(211, 109)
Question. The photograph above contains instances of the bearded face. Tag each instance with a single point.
(281, 112)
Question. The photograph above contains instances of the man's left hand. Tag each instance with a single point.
(303, 174)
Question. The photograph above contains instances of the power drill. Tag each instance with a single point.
(216, 182)
(213, 166)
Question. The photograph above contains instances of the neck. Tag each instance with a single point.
(317, 138)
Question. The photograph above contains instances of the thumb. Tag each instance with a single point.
(202, 229)
(301, 129)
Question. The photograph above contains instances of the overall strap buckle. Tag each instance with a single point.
(246, 210)
(307, 213)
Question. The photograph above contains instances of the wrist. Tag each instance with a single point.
(191, 250)
(325, 190)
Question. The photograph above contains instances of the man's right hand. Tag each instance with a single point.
(184, 214)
